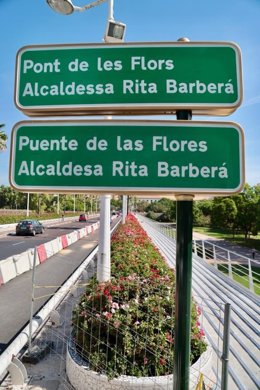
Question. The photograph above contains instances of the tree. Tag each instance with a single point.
(8, 197)
(247, 203)
(3, 138)
(202, 210)
(165, 207)
(224, 213)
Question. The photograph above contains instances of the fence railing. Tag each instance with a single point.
(57, 335)
(236, 266)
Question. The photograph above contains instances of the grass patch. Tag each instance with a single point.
(240, 275)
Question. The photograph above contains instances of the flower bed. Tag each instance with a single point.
(126, 326)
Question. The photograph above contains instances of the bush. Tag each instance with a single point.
(126, 326)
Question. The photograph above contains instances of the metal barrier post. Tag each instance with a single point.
(250, 276)
(229, 266)
(203, 250)
(224, 357)
(32, 302)
(215, 257)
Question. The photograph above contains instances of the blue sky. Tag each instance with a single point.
(32, 22)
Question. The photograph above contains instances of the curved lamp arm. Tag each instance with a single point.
(66, 7)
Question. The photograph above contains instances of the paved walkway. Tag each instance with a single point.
(243, 251)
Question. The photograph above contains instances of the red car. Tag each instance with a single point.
(83, 217)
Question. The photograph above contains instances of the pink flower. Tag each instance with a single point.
(117, 323)
(169, 337)
(199, 310)
(115, 305)
(107, 315)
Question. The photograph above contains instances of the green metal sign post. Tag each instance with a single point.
(138, 157)
(182, 332)
(183, 292)
(129, 78)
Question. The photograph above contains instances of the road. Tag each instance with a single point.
(16, 295)
(10, 244)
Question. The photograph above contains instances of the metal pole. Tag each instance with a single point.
(28, 205)
(32, 301)
(183, 293)
(250, 277)
(103, 265)
(124, 208)
(111, 10)
(183, 282)
(224, 357)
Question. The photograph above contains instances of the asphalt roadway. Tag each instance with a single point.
(16, 295)
(11, 245)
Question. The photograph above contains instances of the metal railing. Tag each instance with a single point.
(236, 266)
(216, 289)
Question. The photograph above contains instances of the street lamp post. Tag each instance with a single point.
(28, 205)
(66, 7)
(114, 33)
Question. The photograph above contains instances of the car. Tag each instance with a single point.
(29, 226)
(83, 217)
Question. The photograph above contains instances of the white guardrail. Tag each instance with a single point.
(49, 249)
(11, 226)
(16, 265)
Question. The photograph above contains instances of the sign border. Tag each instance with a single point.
(129, 190)
(219, 109)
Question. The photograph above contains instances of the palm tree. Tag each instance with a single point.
(3, 138)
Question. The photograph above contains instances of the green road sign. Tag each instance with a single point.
(129, 78)
(140, 157)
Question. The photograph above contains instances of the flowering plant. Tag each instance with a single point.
(126, 326)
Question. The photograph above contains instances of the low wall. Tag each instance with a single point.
(82, 378)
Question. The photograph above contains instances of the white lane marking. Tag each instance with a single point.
(18, 243)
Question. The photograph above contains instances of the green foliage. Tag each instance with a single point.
(14, 218)
(126, 326)
(116, 204)
(45, 203)
(237, 213)
(163, 210)
(224, 213)
(3, 138)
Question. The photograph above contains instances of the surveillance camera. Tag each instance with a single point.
(115, 31)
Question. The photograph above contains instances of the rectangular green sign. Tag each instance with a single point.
(129, 78)
(139, 157)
